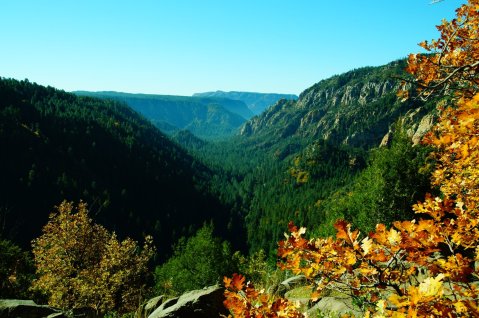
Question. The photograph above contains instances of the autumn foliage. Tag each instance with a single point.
(425, 267)
(244, 300)
(453, 65)
(81, 264)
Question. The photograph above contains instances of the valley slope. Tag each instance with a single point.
(57, 146)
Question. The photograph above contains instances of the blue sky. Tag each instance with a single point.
(186, 46)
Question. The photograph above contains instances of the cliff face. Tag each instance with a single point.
(349, 94)
(355, 108)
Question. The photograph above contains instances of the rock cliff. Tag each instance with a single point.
(356, 108)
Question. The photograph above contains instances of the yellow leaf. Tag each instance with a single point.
(394, 237)
(366, 245)
(460, 307)
(432, 287)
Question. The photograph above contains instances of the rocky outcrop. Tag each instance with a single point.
(361, 93)
(416, 122)
(355, 108)
(354, 114)
(387, 139)
(15, 308)
(423, 127)
(202, 303)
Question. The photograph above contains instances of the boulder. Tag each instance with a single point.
(295, 281)
(15, 308)
(290, 283)
(340, 305)
(150, 306)
(202, 303)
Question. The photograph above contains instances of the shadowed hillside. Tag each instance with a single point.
(56, 146)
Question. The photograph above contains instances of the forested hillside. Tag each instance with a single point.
(206, 117)
(57, 146)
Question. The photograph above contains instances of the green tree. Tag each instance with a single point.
(200, 261)
(396, 178)
(81, 264)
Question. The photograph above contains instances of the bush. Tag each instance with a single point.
(200, 261)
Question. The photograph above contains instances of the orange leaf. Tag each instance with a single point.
(342, 227)
(227, 282)
(238, 281)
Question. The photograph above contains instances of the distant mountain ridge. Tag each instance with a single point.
(256, 102)
(206, 117)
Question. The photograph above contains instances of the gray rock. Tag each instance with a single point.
(294, 281)
(288, 284)
(150, 306)
(202, 303)
(15, 308)
(387, 139)
(337, 305)
(424, 126)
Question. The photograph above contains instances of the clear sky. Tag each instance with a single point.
(186, 46)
